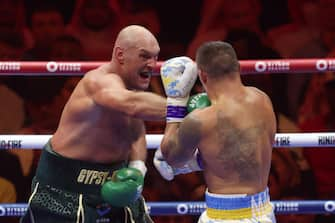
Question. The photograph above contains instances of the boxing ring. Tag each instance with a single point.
(287, 140)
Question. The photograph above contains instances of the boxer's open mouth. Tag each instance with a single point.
(145, 74)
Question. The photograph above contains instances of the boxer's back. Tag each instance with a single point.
(237, 142)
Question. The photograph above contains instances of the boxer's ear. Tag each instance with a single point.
(119, 54)
(202, 76)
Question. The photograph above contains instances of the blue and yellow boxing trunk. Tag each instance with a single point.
(238, 208)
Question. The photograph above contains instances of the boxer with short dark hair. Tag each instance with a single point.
(93, 167)
(234, 137)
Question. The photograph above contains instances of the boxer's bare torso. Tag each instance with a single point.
(103, 119)
(88, 131)
(236, 142)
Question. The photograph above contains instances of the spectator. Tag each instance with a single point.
(317, 116)
(274, 186)
(67, 48)
(11, 46)
(7, 195)
(178, 23)
(11, 171)
(223, 16)
(250, 46)
(321, 161)
(12, 20)
(287, 170)
(302, 33)
(43, 115)
(12, 115)
(12, 112)
(96, 23)
(140, 13)
(7, 192)
(309, 35)
(306, 184)
(274, 13)
(46, 23)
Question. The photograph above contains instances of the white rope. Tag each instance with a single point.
(316, 139)
(325, 139)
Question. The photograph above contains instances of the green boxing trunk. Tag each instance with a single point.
(197, 101)
(69, 191)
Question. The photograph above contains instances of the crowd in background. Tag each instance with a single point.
(85, 30)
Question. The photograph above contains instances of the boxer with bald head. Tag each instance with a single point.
(93, 167)
(233, 136)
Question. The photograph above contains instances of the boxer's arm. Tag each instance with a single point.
(111, 93)
(143, 105)
(168, 172)
(127, 184)
(138, 153)
(181, 140)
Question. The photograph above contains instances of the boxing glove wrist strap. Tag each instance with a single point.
(176, 109)
(138, 164)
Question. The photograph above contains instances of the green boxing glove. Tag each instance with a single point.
(197, 101)
(125, 187)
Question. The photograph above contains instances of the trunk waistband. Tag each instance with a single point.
(238, 206)
(73, 175)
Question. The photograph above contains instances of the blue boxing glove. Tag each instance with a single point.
(178, 76)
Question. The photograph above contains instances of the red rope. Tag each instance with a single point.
(45, 68)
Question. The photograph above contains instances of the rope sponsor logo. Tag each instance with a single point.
(262, 66)
(323, 65)
(92, 177)
(2, 211)
(10, 144)
(182, 209)
(326, 140)
(12, 211)
(54, 66)
(329, 206)
(192, 208)
(282, 141)
(10, 66)
(196, 208)
(286, 206)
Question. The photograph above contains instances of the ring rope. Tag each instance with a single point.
(180, 208)
(196, 208)
(325, 139)
(48, 68)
